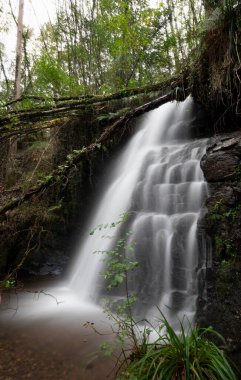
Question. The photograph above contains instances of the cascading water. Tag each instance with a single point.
(158, 179)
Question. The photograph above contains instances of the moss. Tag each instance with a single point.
(224, 279)
(237, 176)
(230, 215)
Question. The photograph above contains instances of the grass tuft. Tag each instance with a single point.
(185, 355)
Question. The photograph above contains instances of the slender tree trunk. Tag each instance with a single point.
(4, 73)
(12, 151)
(171, 10)
(17, 87)
(26, 62)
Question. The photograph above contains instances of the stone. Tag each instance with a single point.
(223, 158)
(222, 169)
(219, 166)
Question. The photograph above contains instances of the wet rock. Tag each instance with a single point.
(223, 158)
(220, 166)
(222, 169)
(54, 266)
(224, 195)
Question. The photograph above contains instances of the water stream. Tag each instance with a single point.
(158, 180)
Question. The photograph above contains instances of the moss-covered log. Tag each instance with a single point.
(89, 99)
(15, 119)
(64, 169)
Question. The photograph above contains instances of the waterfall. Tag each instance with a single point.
(157, 178)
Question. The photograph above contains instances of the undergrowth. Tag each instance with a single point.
(188, 355)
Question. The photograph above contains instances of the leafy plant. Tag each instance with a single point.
(187, 355)
(8, 283)
(118, 262)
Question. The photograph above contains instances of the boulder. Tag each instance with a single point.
(222, 162)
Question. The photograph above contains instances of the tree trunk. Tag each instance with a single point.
(17, 87)
(12, 150)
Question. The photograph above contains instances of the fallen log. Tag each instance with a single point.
(62, 171)
(175, 80)
(22, 116)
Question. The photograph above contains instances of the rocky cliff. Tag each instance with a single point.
(222, 168)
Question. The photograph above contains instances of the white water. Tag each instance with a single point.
(158, 179)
